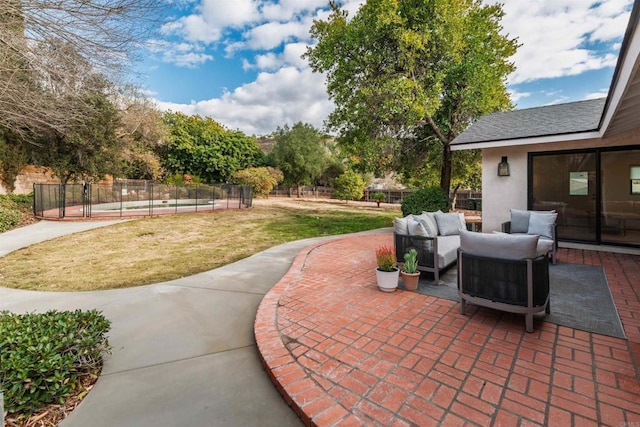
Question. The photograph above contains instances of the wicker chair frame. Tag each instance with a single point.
(515, 286)
(427, 248)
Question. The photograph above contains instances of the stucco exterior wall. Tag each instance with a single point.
(500, 194)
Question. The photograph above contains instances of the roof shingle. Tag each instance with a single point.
(572, 117)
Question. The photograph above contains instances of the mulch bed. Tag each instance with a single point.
(51, 415)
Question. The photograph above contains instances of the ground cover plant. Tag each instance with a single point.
(158, 249)
(15, 210)
(48, 357)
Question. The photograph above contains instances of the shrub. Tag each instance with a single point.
(182, 179)
(9, 213)
(427, 199)
(43, 356)
(262, 179)
(349, 186)
(378, 197)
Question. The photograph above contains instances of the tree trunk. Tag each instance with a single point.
(445, 173)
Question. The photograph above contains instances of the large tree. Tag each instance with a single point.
(411, 73)
(41, 41)
(300, 154)
(142, 133)
(203, 147)
(87, 148)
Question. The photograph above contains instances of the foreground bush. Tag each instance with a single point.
(427, 199)
(44, 356)
(12, 209)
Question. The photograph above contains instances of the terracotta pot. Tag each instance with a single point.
(411, 280)
(388, 280)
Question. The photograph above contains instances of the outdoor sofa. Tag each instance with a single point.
(504, 272)
(541, 223)
(435, 235)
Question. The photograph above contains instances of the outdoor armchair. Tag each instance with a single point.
(541, 223)
(503, 272)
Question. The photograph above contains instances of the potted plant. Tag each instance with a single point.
(410, 273)
(378, 197)
(387, 273)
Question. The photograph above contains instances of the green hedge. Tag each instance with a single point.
(426, 200)
(43, 356)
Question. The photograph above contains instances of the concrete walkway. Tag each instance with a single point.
(183, 351)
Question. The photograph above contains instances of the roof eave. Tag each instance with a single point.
(627, 59)
(548, 139)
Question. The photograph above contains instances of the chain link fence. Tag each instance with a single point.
(464, 199)
(140, 198)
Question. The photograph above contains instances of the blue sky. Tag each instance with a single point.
(238, 61)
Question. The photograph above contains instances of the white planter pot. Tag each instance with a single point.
(388, 280)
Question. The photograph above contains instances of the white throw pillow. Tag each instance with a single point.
(401, 225)
(428, 222)
(542, 223)
(416, 228)
(463, 222)
(449, 224)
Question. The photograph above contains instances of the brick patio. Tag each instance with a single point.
(343, 353)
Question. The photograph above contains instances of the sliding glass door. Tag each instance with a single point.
(567, 183)
(595, 192)
(620, 214)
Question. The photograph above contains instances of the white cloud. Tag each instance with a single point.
(230, 13)
(272, 34)
(290, 56)
(559, 38)
(554, 35)
(273, 99)
(182, 54)
(602, 93)
(287, 9)
(211, 18)
(516, 96)
(559, 100)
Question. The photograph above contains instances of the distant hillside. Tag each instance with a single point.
(266, 143)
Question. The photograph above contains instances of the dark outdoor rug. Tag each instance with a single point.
(580, 297)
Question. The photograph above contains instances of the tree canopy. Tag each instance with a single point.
(299, 154)
(204, 148)
(87, 147)
(408, 76)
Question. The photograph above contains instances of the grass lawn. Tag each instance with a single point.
(153, 250)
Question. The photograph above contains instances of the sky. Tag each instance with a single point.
(239, 61)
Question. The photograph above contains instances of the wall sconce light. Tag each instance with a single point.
(503, 167)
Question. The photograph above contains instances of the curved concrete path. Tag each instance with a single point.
(183, 351)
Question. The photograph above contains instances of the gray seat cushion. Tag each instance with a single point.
(499, 245)
(544, 245)
(447, 250)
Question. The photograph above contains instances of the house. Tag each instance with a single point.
(581, 159)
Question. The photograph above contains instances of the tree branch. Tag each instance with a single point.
(434, 127)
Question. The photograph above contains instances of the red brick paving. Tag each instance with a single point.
(343, 353)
